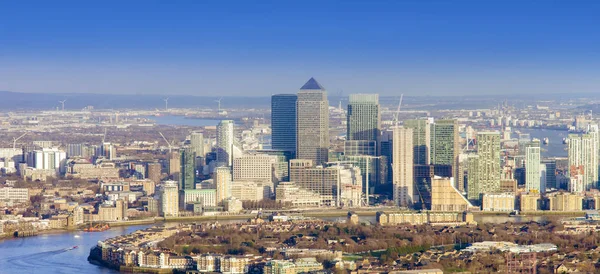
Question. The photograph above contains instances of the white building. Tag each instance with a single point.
(532, 167)
(402, 167)
(289, 192)
(503, 202)
(14, 195)
(250, 191)
(169, 199)
(47, 159)
(225, 139)
(222, 181)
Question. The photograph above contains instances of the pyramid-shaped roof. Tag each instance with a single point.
(312, 84)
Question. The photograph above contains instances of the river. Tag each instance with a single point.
(49, 253)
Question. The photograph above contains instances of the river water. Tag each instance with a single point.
(49, 253)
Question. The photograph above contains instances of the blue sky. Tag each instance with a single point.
(259, 48)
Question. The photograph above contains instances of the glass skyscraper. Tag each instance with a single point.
(312, 126)
(283, 122)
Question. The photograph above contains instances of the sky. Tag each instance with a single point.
(259, 48)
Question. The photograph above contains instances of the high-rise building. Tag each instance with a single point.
(107, 150)
(188, 169)
(255, 168)
(312, 123)
(364, 121)
(583, 162)
(197, 143)
(169, 199)
(225, 138)
(336, 185)
(532, 167)
(174, 165)
(283, 122)
(402, 167)
(421, 140)
(222, 181)
(75, 150)
(472, 166)
(444, 144)
(48, 159)
(550, 173)
(154, 171)
(488, 162)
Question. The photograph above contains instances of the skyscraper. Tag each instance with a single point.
(444, 146)
(225, 143)
(197, 143)
(169, 199)
(364, 121)
(222, 181)
(402, 167)
(583, 162)
(312, 126)
(532, 167)
(421, 140)
(488, 162)
(188, 169)
(283, 122)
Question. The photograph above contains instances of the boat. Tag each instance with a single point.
(73, 247)
(546, 141)
(565, 141)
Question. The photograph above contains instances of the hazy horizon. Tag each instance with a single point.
(257, 49)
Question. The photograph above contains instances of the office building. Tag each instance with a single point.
(250, 191)
(255, 168)
(364, 121)
(533, 180)
(188, 169)
(205, 197)
(225, 143)
(421, 140)
(550, 173)
(283, 122)
(169, 199)
(222, 181)
(197, 143)
(107, 150)
(336, 185)
(312, 123)
(290, 193)
(113, 213)
(402, 167)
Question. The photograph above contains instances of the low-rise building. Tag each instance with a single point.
(290, 193)
(530, 202)
(502, 202)
(565, 201)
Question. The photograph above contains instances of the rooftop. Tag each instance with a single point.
(312, 84)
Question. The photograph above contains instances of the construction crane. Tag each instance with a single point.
(397, 114)
(63, 104)
(16, 139)
(169, 144)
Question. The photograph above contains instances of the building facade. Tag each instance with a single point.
(402, 167)
(283, 122)
(312, 123)
(225, 139)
